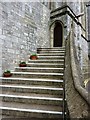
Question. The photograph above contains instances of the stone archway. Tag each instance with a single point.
(56, 34)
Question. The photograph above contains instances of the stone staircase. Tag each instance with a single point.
(36, 91)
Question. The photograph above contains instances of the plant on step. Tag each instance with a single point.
(7, 73)
(22, 64)
(33, 56)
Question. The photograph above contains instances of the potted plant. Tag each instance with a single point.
(33, 56)
(7, 73)
(22, 64)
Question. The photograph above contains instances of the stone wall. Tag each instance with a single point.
(80, 43)
(77, 106)
(88, 18)
(24, 28)
(84, 55)
(0, 43)
(79, 29)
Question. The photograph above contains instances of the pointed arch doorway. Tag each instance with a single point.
(58, 35)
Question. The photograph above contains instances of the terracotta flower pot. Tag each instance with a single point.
(33, 57)
(7, 74)
(22, 65)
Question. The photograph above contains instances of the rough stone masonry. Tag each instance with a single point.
(23, 28)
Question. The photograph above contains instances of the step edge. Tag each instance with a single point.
(31, 110)
(37, 73)
(31, 97)
(47, 80)
(42, 53)
(39, 68)
(45, 60)
(30, 87)
(52, 56)
(46, 63)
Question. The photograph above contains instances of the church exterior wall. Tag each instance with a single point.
(80, 42)
(0, 45)
(24, 29)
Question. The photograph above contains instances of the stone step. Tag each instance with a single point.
(32, 89)
(36, 90)
(31, 110)
(39, 69)
(51, 54)
(22, 81)
(51, 57)
(53, 48)
(53, 65)
(38, 75)
(50, 51)
(6, 117)
(46, 61)
(31, 94)
(32, 81)
(32, 99)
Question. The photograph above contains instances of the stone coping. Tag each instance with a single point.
(76, 78)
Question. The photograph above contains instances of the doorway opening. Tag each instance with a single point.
(58, 35)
